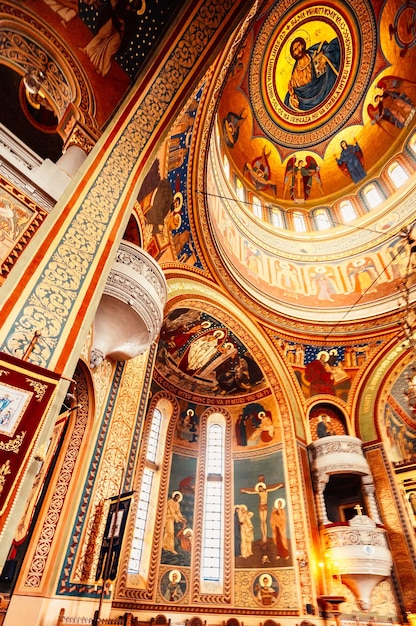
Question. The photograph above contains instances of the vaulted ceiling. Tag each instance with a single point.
(308, 116)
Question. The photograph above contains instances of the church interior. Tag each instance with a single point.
(208, 318)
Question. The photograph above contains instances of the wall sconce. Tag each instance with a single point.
(301, 558)
(33, 81)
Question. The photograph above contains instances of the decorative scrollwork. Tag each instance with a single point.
(4, 471)
(40, 388)
(13, 445)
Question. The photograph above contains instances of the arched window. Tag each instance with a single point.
(276, 217)
(321, 219)
(397, 174)
(257, 208)
(147, 488)
(373, 196)
(348, 212)
(226, 166)
(239, 189)
(213, 522)
(412, 142)
(299, 222)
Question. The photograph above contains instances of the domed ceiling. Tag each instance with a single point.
(316, 112)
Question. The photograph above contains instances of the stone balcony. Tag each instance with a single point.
(338, 454)
(357, 551)
(130, 314)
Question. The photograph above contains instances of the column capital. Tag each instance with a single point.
(81, 136)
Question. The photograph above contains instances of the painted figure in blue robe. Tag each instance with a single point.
(314, 74)
(351, 161)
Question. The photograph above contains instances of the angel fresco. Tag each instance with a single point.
(231, 127)
(323, 284)
(299, 178)
(351, 161)
(201, 351)
(362, 274)
(391, 104)
(258, 172)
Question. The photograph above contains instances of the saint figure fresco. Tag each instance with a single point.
(351, 161)
(314, 73)
(391, 104)
(300, 176)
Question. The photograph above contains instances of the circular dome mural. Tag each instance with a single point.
(318, 92)
(310, 174)
(310, 69)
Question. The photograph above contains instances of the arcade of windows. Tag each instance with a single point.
(323, 218)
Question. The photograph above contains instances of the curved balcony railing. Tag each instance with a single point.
(338, 453)
(130, 314)
(358, 552)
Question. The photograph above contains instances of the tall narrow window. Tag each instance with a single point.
(213, 533)
(276, 217)
(299, 222)
(397, 175)
(321, 219)
(145, 494)
(226, 166)
(257, 208)
(347, 211)
(239, 189)
(412, 142)
(373, 196)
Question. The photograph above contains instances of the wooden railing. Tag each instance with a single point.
(129, 620)
(124, 620)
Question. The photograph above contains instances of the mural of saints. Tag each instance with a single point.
(172, 585)
(351, 161)
(266, 589)
(201, 351)
(193, 344)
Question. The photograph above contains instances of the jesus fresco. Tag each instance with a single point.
(314, 73)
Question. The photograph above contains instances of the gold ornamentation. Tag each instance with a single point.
(13, 445)
(5, 372)
(60, 491)
(4, 471)
(29, 56)
(108, 478)
(40, 388)
(62, 276)
(81, 137)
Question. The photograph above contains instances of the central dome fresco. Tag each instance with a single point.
(309, 72)
(313, 159)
